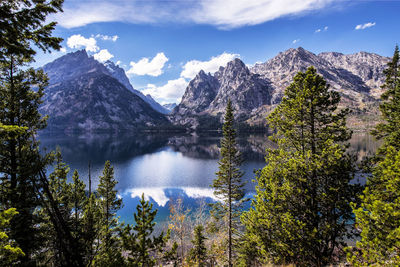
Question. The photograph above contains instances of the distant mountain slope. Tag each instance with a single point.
(84, 95)
(170, 106)
(119, 74)
(257, 90)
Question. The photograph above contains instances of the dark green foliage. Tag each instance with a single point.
(139, 241)
(248, 252)
(228, 185)
(71, 201)
(378, 216)
(301, 207)
(108, 204)
(22, 25)
(390, 106)
(172, 255)
(198, 254)
(9, 253)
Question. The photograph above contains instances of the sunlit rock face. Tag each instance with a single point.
(208, 94)
(85, 95)
(255, 91)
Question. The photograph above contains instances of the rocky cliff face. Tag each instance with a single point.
(255, 91)
(84, 95)
(207, 95)
(368, 66)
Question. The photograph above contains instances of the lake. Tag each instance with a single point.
(166, 167)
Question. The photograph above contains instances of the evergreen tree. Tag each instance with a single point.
(388, 129)
(60, 192)
(79, 201)
(198, 254)
(22, 25)
(109, 253)
(378, 216)
(302, 207)
(91, 234)
(71, 201)
(139, 241)
(9, 253)
(248, 252)
(228, 185)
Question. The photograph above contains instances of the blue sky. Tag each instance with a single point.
(162, 44)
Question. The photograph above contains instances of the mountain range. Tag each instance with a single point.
(255, 90)
(84, 94)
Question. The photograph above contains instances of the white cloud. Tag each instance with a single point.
(152, 67)
(118, 63)
(171, 92)
(296, 41)
(113, 38)
(323, 29)
(221, 13)
(78, 41)
(103, 55)
(63, 50)
(192, 67)
(237, 13)
(365, 25)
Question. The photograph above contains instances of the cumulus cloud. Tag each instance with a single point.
(78, 41)
(171, 92)
(192, 67)
(221, 13)
(113, 38)
(145, 66)
(103, 55)
(365, 25)
(63, 50)
(296, 41)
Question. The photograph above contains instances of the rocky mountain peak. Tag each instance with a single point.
(72, 65)
(235, 68)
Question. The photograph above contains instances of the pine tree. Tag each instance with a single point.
(61, 193)
(79, 202)
(198, 254)
(9, 253)
(378, 216)
(23, 25)
(390, 105)
(302, 203)
(109, 252)
(139, 241)
(228, 185)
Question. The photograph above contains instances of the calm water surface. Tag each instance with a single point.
(165, 167)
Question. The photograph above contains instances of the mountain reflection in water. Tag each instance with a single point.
(164, 166)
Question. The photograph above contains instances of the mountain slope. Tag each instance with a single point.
(119, 74)
(83, 95)
(207, 95)
(257, 90)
